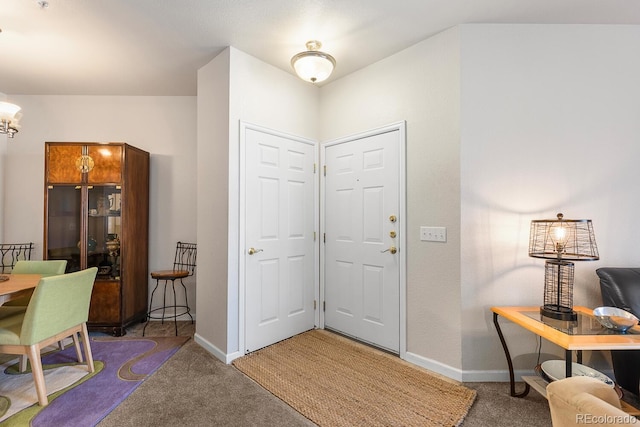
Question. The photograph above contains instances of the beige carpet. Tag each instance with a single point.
(334, 381)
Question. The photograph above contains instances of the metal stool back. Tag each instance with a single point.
(10, 253)
(185, 258)
(184, 265)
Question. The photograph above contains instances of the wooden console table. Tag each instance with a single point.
(586, 333)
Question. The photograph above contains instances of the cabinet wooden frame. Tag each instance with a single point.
(121, 299)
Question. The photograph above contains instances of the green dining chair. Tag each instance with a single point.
(59, 308)
(44, 268)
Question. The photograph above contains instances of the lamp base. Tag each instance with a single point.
(559, 313)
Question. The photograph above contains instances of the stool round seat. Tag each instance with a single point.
(169, 274)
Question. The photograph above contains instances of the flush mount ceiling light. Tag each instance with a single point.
(9, 117)
(313, 66)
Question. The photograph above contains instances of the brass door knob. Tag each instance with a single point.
(254, 251)
(392, 249)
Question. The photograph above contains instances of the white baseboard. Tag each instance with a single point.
(503, 375)
(497, 376)
(233, 356)
(464, 376)
(434, 366)
(215, 351)
(489, 376)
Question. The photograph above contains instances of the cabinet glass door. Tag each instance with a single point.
(64, 225)
(103, 230)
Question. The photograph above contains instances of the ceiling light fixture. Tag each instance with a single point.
(312, 65)
(9, 117)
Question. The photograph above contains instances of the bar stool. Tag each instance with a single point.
(184, 265)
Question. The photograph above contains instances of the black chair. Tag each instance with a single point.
(184, 265)
(620, 288)
(10, 253)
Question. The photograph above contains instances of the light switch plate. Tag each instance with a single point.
(433, 234)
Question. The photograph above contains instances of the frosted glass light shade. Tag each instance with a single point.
(8, 111)
(8, 120)
(313, 66)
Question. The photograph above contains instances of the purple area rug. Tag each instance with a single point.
(127, 363)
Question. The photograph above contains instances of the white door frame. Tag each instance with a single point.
(242, 250)
(402, 232)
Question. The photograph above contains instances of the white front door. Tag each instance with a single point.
(363, 220)
(279, 249)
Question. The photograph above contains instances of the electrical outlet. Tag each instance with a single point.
(433, 234)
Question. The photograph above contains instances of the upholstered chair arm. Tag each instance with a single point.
(579, 401)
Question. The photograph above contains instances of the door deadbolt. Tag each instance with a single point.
(254, 251)
(393, 218)
(392, 234)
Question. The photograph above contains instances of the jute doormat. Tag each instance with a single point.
(334, 381)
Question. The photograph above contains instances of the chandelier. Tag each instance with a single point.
(9, 118)
(312, 65)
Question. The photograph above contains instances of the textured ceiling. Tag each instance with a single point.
(155, 47)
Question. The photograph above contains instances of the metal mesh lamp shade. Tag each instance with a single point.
(561, 241)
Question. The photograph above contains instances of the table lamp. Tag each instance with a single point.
(561, 241)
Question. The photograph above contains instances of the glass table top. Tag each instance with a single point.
(585, 325)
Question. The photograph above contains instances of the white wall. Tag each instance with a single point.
(266, 96)
(3, 172)
(164, 126)
(419, 85)
(549, 124)
(261, 94)
(505, 123)
(213, 204)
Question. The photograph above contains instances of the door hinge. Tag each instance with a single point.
(314, 236)
(325, 170)
(314, 168)
(324, 237)
(314, 304)
(324, 306)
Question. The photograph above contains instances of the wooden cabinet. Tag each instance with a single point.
(97, 214)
